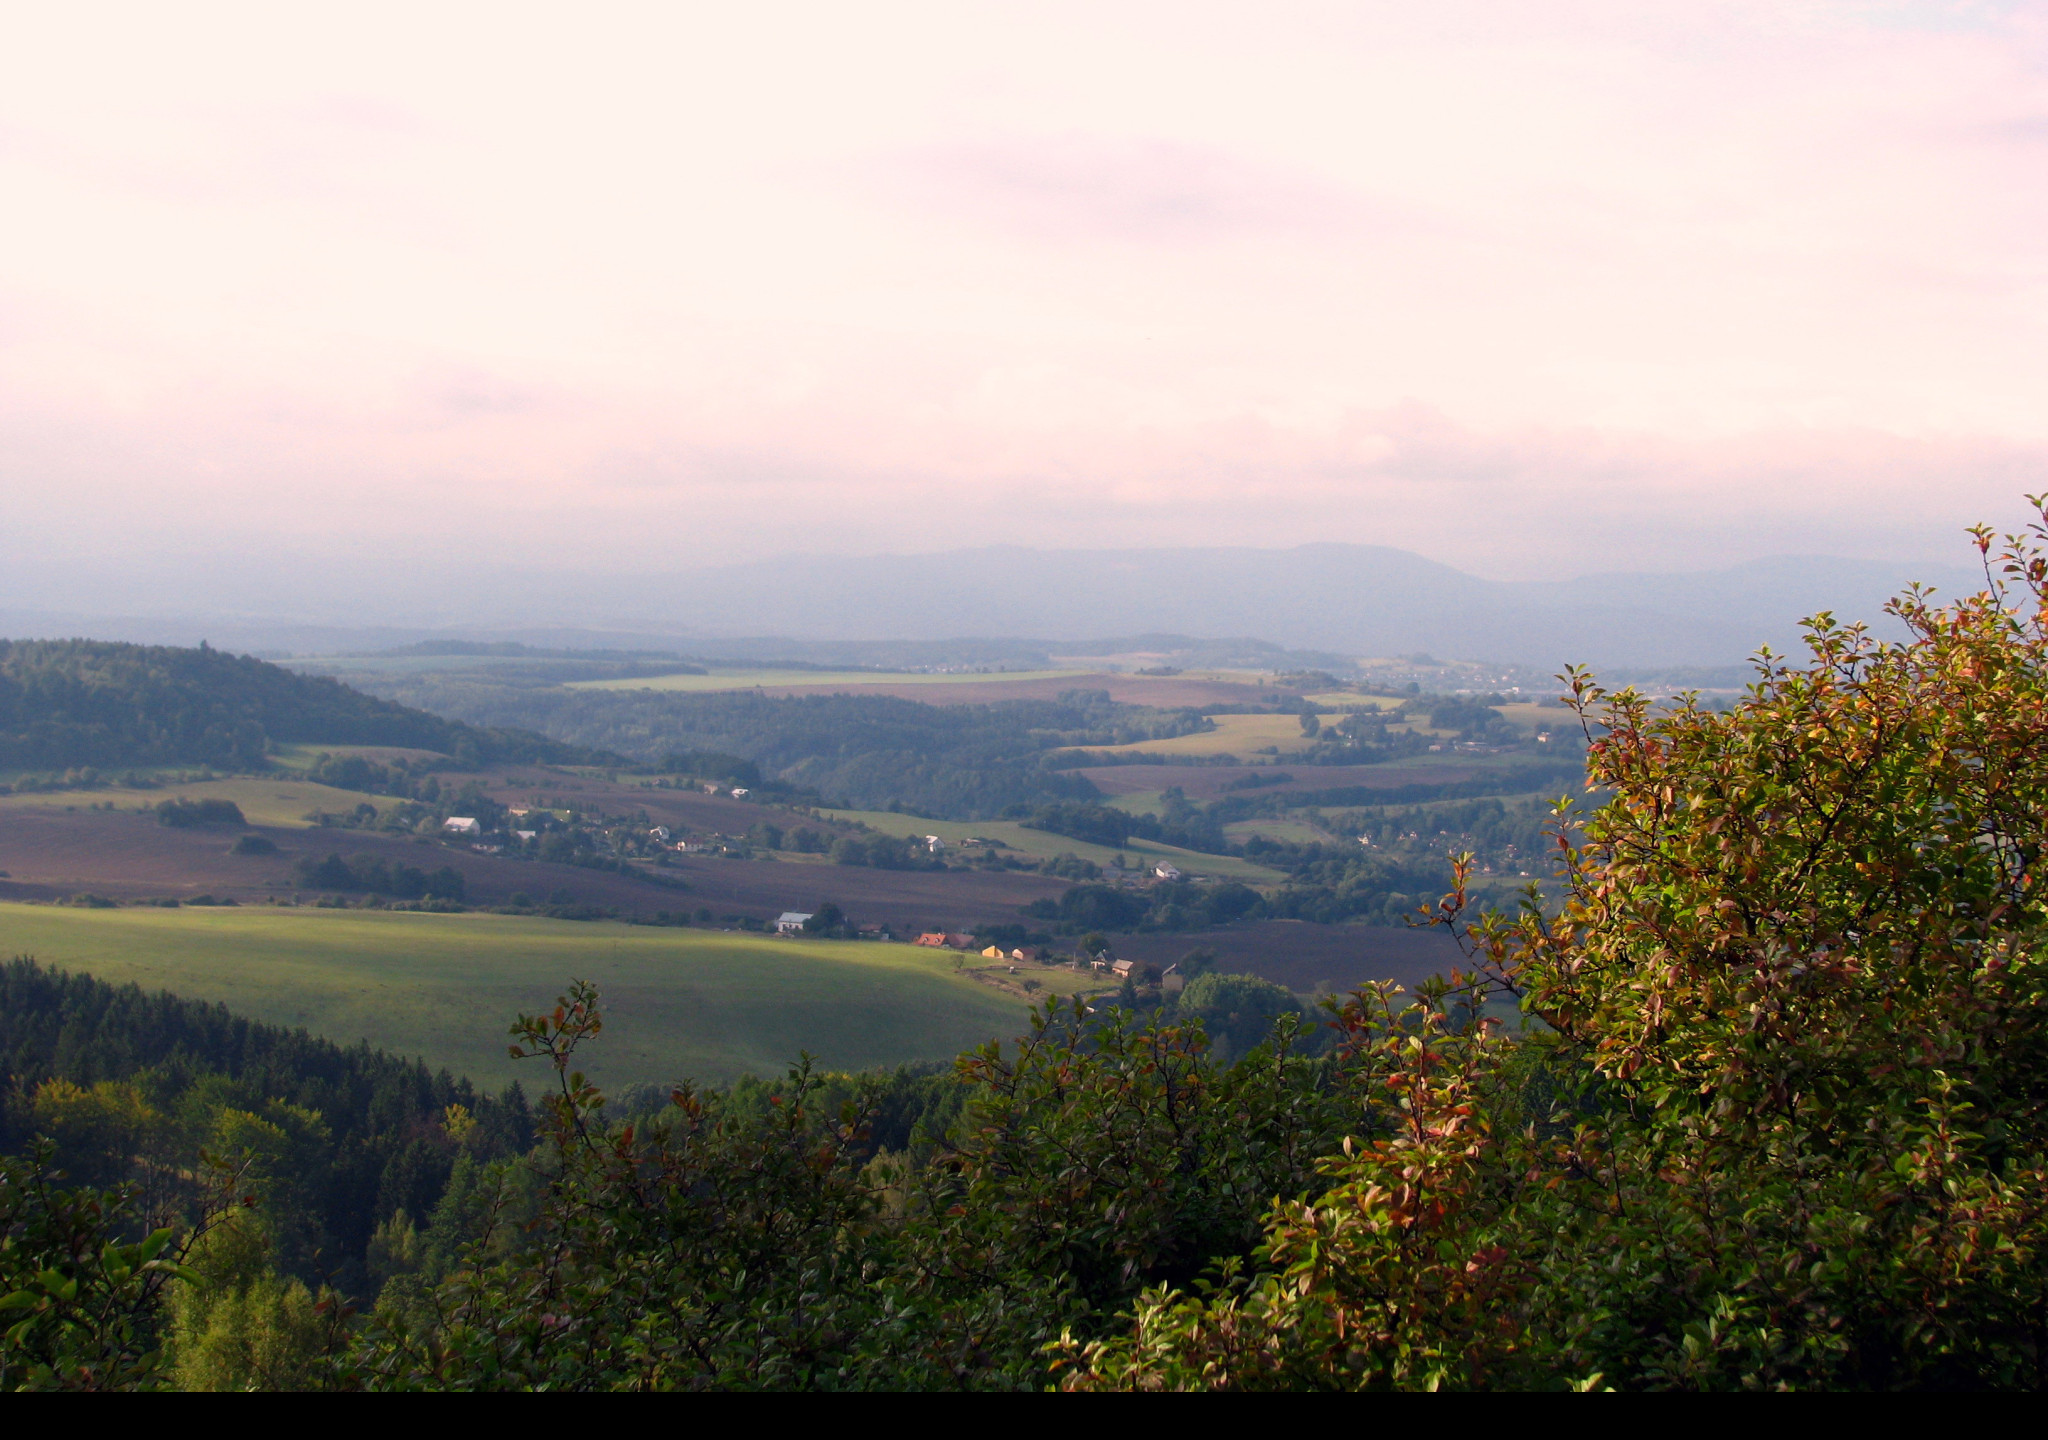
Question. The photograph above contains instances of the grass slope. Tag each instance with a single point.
(444, 987)
(1043, 844)
(264, 801)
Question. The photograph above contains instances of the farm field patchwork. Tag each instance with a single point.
(721, 679)
(1043, 844)
(679, 1003)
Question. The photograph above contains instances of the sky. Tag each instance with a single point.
(1536, 290)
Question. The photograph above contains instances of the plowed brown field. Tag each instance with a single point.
(1308, 958)
(52, 855)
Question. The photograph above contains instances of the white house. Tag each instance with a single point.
(739, 792)
(1167, 872)
(791, 922)
(462, 825)
(660, 832)
(934, 844)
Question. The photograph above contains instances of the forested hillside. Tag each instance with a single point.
(869, 751)
(74, 703)
(346, 1139)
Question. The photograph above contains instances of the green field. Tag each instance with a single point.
(719, 679)
(680, 1003)
(264, 801)
(1233, 735)
(1043, 844)
(1346, 700)
(1289, 832)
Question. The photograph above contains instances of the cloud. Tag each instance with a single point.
(1549, 289)
(1142, 191)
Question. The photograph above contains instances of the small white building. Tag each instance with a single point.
(660, 832)
(1167, 872)
(462, 825)
(934, 844)
(527, 835)
(791, 922)
(739, 792)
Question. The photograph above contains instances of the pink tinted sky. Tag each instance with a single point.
(1528, 288)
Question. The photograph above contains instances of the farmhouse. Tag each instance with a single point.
(791, 922)
(935, 939)
(660, 832)
(462, 825)
(934, 844)
(1123, 969)
(1167, 872)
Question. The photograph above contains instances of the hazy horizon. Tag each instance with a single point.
(1336, 599)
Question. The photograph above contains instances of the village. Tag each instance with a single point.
(1024, 969)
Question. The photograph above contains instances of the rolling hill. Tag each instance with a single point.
(68, 704)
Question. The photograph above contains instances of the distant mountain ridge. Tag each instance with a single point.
(1345, 599)
(1341, 599)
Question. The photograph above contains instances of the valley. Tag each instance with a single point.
(1282, 826)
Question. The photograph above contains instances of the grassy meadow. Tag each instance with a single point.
(264, 800)
(1043, 844)
(680, 1003)
(1287, 831)
(1233, 735)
